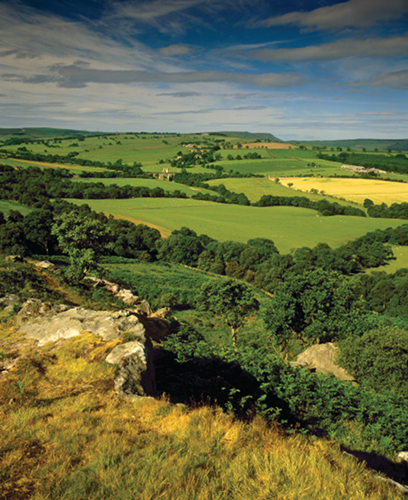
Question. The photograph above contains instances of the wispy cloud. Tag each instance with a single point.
(396, 46)
(395, 80)
(73, 76)
(351, 14)
(176, 50)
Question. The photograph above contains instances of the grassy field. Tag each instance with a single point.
(6, 206)
(356, 190)
(288, 227)
(150, 183)
(256, 188)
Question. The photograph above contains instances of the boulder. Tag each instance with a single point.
(9, 301)
(322, 357)
(48, 266)
(136, 370)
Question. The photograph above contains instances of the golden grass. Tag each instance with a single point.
(356, 190)
(65, 435)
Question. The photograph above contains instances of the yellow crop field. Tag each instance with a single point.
(356, 190)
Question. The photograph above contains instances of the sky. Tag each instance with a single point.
(298, 69)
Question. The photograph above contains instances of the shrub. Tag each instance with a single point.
(378, 359)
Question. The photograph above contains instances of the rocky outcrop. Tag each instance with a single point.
(136, 370)
(9, 301)
(47, 323)
(321, 357)
(137, 304)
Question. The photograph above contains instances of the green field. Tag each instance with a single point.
(6, 206)
(288, 227)
(150, 183)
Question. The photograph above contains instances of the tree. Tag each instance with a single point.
(378, 359)
(83, 239)
(230, 299)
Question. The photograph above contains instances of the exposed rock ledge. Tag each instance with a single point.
(46, 323)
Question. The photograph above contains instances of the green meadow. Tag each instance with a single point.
(150, 183)
(288, 227)
(6, 206)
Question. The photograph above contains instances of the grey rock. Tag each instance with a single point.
(136, 370)
(9, 301)
(402, 457)
(69, 323)
(35, 309)
(322, 358)
(15, 258)
(48, 266)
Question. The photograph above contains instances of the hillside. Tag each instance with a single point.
(247, 262)
(66, 434)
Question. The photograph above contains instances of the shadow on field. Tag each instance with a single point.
(396, 471)
(211, 380)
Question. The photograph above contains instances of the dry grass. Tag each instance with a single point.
(356, 190)
(65, 435)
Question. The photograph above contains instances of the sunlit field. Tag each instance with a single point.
(356, 190)
(288, 227)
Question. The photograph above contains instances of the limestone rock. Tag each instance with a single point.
(136, 370)
(322, 358)
(48, 266)
(402, 457)
(9, 301)
(69, 323)
(35, 309)
(163, 313)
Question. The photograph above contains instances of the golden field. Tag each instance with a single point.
(356, 190)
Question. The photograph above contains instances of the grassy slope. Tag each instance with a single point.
(288, 227)
(65, 434)
(6, 206)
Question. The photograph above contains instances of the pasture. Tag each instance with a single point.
(6, 206)
(353, 189)
(149, 183)
(288, 227)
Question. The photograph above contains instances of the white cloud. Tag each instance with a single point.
(351, 14)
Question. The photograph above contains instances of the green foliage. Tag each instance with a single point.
(83, 239)
(319, 306)
(231, 299)
(378, 359)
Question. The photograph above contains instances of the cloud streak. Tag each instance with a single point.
(396, 46)
(73, 76)
(351, 14)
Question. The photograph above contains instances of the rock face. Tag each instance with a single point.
(138, 305)
(46, 323)
(321, 357)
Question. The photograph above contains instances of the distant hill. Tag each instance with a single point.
(262, 136)
(39, 133)
(371, 144)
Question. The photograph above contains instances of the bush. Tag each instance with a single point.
(378, 359)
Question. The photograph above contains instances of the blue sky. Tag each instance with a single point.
(299, 69)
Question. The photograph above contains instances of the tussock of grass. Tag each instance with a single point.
(65, 435)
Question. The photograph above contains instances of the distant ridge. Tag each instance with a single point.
(41, 132)
(262, 136)
(382, 144)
